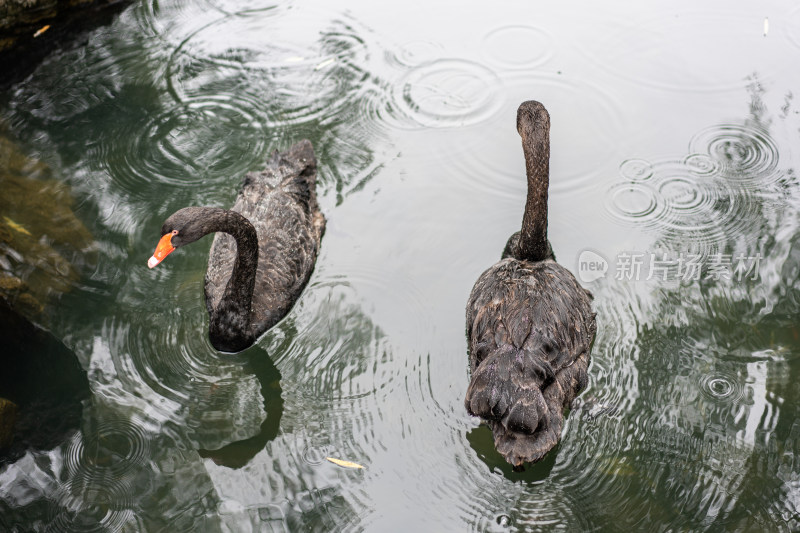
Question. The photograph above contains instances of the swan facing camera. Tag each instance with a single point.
(530, 324)
(591, 266)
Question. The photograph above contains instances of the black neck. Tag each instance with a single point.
(533, 124)
(230, 321)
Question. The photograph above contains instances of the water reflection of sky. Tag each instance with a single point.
(674, 130)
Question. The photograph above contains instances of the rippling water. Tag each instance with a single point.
(674, 149)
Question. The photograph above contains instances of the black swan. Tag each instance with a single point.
(530, 325)
(257, 271)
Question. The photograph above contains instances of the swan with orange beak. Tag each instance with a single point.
(264, 248)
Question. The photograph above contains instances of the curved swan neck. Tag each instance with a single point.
(242, 281)
(230, 326)
(533, 124)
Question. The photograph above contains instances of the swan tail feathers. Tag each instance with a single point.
(524, 410)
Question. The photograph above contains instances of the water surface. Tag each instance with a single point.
(674, 148)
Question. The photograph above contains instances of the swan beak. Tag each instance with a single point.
(163, 249)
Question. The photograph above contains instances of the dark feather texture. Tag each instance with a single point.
(530, 325)
(530, 328)
(264, 249)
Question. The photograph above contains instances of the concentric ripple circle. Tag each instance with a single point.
(518, 46)
(722, 388)
(415, 53)
(636, 169)
(448, 93)
(113, 448)
(716, 194)
(634, 202)
(681, 193)
(686, 209)
(89, 511)
(315, 455)
(493, 164)
(169, 352)
(336, 351)
(702, 165)
(102, 467)
(280, 77)
(743, 153)
(186, 145)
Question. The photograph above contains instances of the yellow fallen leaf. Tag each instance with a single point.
(19, 227)
(325, 63)
(41, 30)
(346, 464)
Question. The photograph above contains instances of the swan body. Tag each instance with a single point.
(530, 325)
(264, 249)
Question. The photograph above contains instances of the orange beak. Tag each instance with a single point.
(163, 249)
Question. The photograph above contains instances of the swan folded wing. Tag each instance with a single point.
(221, 259)
(286, 260)
(525, 412)
(280, 202)
(530, 328)
(297, 163)
(500, 390)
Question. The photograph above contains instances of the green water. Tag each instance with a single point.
(675, 134)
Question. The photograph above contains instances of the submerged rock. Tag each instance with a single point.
(44, 384)
(8, 416)
(31, 29)
(41, 239)
(43, 245)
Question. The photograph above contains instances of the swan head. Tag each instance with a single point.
(183, 227)
(532, 117)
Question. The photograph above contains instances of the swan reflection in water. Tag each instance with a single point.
(237, 454)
